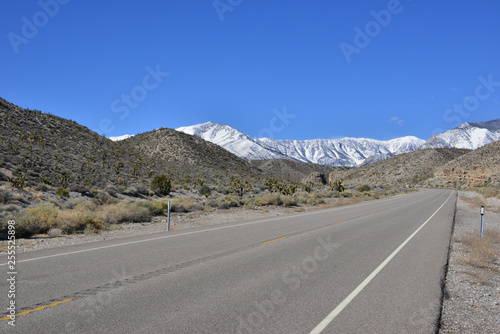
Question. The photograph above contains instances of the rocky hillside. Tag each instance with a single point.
(405, 169)
(294, 170)
(42, 150)
(480, 167)
(186, 155)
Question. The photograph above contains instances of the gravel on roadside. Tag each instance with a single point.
(471, 301)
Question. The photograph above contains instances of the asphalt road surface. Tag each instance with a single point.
(373, 267)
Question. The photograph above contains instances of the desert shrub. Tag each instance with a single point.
(5, 196)
(221, 189)
(364, 188)
(337, 185)
(223, 206)
(214, 204)
(71, 221)
(110, 190)
(37, 196)
(90, 229)
(268, 199)
(42, 187)
(84, 206)
(161, 184)
(77, 188)
(154, 208)
(38, 219)
(71, 204)
(61, 192)
(138, 214)
(103, 198)
(208, 209)
(205, 191)
(131, 191)
(183, 205)
(227, 202)
(11, 208)
(120, 213)
(315, 201)
(288, 201)
(143, 190)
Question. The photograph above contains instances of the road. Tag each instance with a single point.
(373, 267)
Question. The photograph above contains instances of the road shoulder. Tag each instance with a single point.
(471, 301)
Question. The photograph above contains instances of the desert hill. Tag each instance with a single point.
(401, 170)
(42, 150)
(480, 167)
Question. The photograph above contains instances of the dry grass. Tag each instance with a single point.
(483, 277)
(275, 199)
(488, 192)
(38, 197)
(184, 204)
(71, 221)
(482, 253)
(474, 202)
(345, 201)
(490, 203)
(121, 213)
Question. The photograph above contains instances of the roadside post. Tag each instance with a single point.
(168, 217)
(482, 221)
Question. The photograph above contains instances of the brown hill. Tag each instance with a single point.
(401, 170)
(480, 167)
(187, 155)
(47, 151)
(293, 170)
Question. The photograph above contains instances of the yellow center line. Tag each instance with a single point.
(340, 222)
(263, 243)
(37, 309)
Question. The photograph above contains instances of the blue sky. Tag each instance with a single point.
(284, 69)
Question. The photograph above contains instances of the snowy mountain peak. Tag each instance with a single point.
(118, 138)
(467, 135)
(232, 140)
(330, 152)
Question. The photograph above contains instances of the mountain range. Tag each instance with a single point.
(45, 152)
(468, 135)
(327, 152)
(341, 152)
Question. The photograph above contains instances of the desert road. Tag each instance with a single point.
(373, 267)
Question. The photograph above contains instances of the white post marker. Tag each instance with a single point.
(168, 217)
(482, 221)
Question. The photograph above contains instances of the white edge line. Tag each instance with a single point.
(330, 317)
(195, 232)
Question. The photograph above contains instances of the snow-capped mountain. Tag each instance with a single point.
(343, 152)
(468, 135)
(118, 138)
(233, 140)
(329, 152)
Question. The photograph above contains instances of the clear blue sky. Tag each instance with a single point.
(335, 68)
